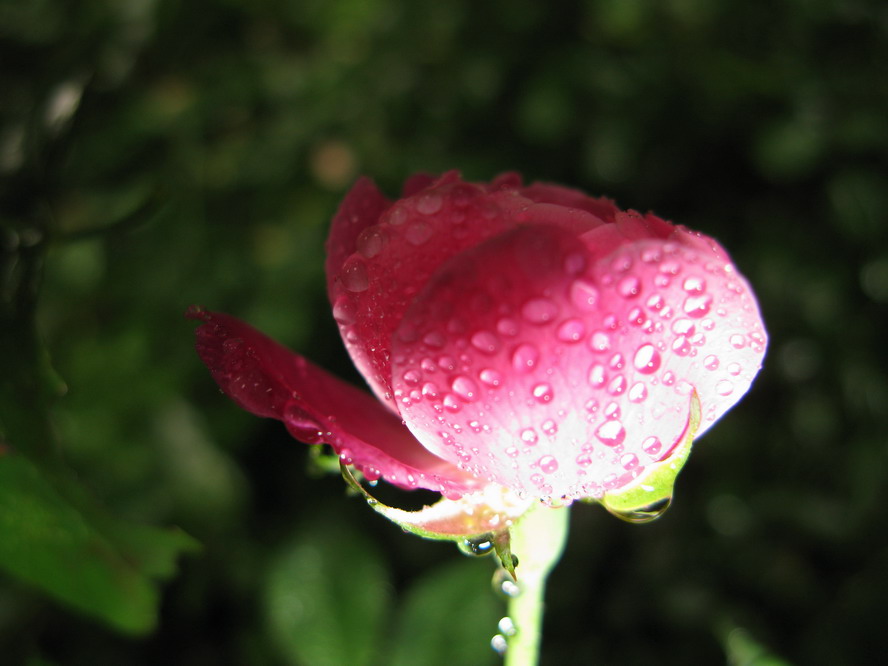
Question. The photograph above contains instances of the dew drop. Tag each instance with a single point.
(465, 388)
(370, 242)
(643, 514)
(597, 375)
(651, 255)
(451, 404)
(490, 377)
(354, 275)
(417, 234)
(507, 626)
(571, 330)
(543, 393)
(710, 362)
(584, 459)
(430, 390)
(499, 644)
(539, 311)
(617, 385)
(734, 369)
(697, 306)
(485, 342)
(525, 357)
(636, 317)
(429, 203)
(670, 267)
(681, 346)
(599, 341)
(652, 446)
(412, 377)
(647, 359)
(512, 451)
(629, 461)
(638, 392)
(344, 311)
(629, 287)
(724, 387)
(433, 339)
(694, 285)
(548, 464)
(611, 433)
(529, 436)
(477, 546)
(668, 378)
(612, 411)
(584, 295)
(656, 302)
(683, 327)
(506, 326)
(737, 341)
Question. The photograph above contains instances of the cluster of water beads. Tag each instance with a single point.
(500, 641)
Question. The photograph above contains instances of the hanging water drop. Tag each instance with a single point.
(644, 514)
(478, 546)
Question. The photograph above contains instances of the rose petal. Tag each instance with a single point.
(566, 376)
(395, 258)
(360, 208)
(603, 208)
(267, 379)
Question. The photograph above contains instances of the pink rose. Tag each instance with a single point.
(529, 338)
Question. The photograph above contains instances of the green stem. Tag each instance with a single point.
(538, 540)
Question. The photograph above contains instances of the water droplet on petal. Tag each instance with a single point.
(418, 233)
(465, 388)
(476, 546)
(451, 404)
(490, 377)
(354, 275)
(636, 316)
(629, 461)
(694, 285)
(584, 295)
(734, 369)
(597, 375)
(525, 357)
(548, 464)
(710, 362)
(697, 306)
(617, 385)
(433, 339)
(737, 341)
(539, 310)
(652, 446)
(412, 377)
(724, 387)
(429, 203)
(370, 242)
(584, 459)
(550, 427)
(529, 436)
(647, 359)
(629, 287)
(683, 327)
(668, 378)
(599, 341)
(485, 342)
(571, 330)
(344, 311)
(611, 433)
(681, 346)
(638, 392)
(430, 390)
(543, 393)
(506, 326)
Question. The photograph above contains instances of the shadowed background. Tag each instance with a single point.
(156, 154)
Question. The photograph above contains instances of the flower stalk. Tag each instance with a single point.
(538, 540)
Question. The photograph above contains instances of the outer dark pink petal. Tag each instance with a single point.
(267, 379)
(567, 369)
(395, 257)
(603, 208)
(361, 208)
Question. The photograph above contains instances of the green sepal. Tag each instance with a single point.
(650, 495)
(478, 522)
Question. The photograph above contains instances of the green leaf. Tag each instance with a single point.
(79, 555)
(448, 618)
(327, 598)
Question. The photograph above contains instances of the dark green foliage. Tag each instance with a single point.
(157, 154)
